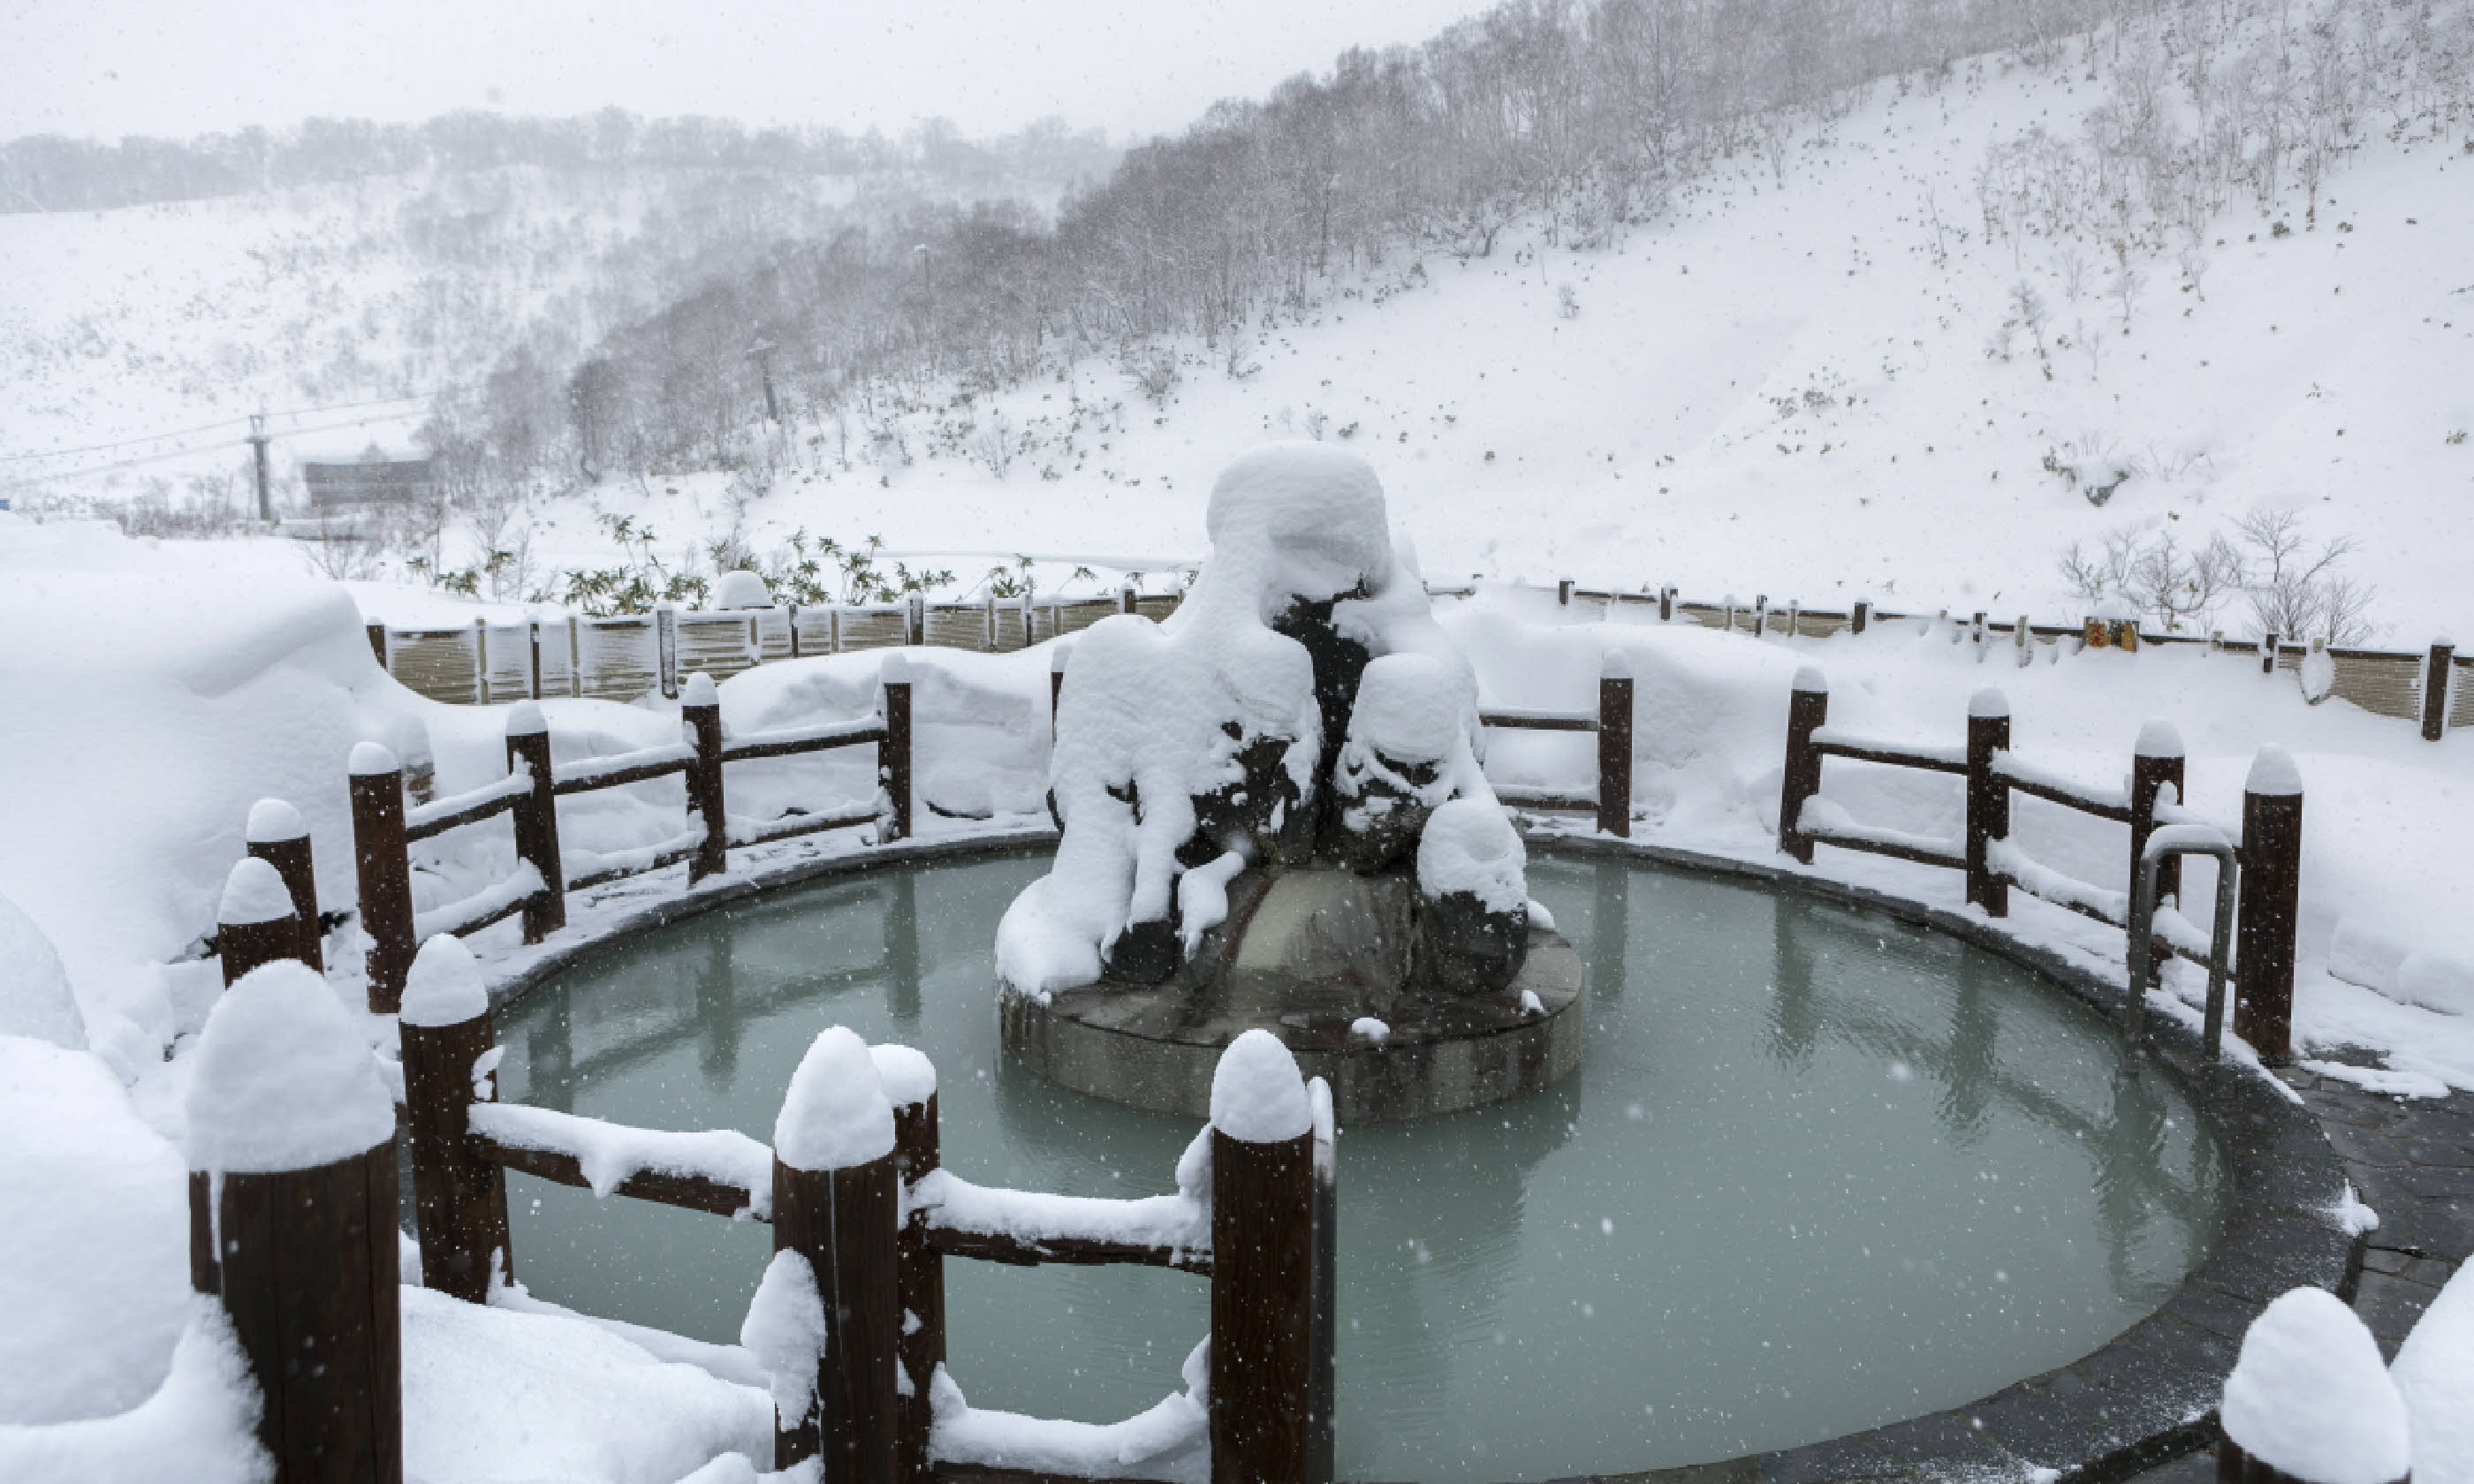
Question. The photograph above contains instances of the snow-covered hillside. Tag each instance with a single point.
(1792, 383)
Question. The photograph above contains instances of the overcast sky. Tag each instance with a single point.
(105, 68)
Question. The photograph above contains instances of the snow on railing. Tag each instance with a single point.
(612, 768)
(608, 1158)
(467, 807)
(1175, 1227)
(1836, 742)
(1828, 821)
(2043, 882)
(500, 899)
(2113, 803)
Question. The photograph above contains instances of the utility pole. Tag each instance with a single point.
(258, 443)
(762, 353)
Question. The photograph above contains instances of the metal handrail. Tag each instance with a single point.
(2178, 840)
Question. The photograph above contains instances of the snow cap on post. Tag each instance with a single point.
(836, 1115)
(2158, 738)
(525, 719)
(699, 690)
(906, 1075)
(283, 1081)
(2435, 1374)
(1059, 652)
(1614, 666)
(2272, 774)
(2310, 1397)
(444, 985)
(1809, 680)
(369, 759)
(253, 893)
(1257, 1097)
(894, 670)
(272, 821)
(1988, 702)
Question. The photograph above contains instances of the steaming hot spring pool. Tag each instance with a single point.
(1818, 1171)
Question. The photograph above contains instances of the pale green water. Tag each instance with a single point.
(1818, 1172)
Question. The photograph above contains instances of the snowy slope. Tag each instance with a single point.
(1788, 388)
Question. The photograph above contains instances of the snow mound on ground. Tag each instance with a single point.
(2435, 1374)
(94, 1266)
(283, 1081)
(1257, 1096)
(495, 1395)
(444, 985)
(1470, 845)
(200, 1427)
(2310, 1395)
(836, 1114)
(2437, 979)
(34, 996)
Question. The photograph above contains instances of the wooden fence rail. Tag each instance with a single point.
(383, 830)
(2269, 850)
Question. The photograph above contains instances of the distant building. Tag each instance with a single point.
(374, 482)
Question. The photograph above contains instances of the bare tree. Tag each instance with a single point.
(2297, 590)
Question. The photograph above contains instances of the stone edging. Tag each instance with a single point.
(2147, 1395)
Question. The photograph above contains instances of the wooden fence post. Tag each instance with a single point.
(1057, 656)
(532, 631)
(1988, 799)
(793, 611)
(1262, 1267)
(459, 1202)
(1807, 711)
(893, 753)
(301, 1224)
(1563, 593)
(1666, 605)
(378, 634)
(278, 835)
(914, 619)
(836, 1202)
(2021, 640)
(2268, 653)
(1615, 745)
(1863, 616)
(574, 657)
(702, 714)
(255, 923)
(385, 872)
(1760, 615)
(2434, 690)
(665, 649)
(1323, 1376)
(910, 1082)
(2156, 764)
(2271, 895)
(481, 662)
(536, 820)
(1794, 617)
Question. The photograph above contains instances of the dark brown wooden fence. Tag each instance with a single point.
(2269, 839)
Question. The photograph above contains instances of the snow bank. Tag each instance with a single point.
(1257, 1096)
(444, 985)
(34, 996)
(200, 1427)
(2310, 1395)
(784, 1331)
(1169, 1442)
(2435, 1374)
(94, 1266)
(836, 1113)
(283, 1081)
(253, 892)
(1470, 845)
(492, 1394)
(2437, 979)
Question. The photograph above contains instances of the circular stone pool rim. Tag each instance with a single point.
(2148, 1394)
